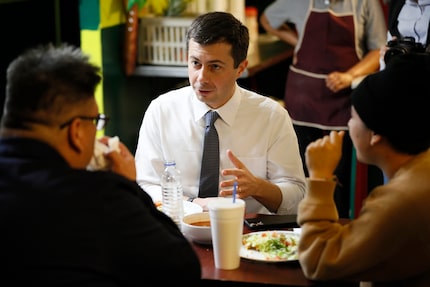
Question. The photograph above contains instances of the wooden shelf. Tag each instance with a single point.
(270, 51)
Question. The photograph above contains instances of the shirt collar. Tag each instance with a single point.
(227, 112)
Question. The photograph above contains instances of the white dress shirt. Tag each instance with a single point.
(414, 20)
(256, 128)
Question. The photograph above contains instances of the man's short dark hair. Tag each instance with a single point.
(220, 27)
(44, 81)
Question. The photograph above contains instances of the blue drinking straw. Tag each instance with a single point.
(234, 191)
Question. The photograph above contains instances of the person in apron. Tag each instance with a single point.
(338, 44)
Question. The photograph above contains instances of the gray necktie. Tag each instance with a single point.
(209, 174)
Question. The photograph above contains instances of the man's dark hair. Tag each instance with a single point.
(220, 27)
(44, 81)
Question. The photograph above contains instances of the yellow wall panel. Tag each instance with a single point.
(112, 12)
(91, 45)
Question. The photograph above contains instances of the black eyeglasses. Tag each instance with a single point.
(100, 121)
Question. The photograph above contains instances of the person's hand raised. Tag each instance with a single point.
(247, 183)
(323, 155)
(122, 162)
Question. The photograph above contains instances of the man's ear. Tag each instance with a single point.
(76, 135)
(375, 139)
(242, 67)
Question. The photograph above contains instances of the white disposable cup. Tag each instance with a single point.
(227, 228)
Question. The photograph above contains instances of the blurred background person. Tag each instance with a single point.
(338, 44)
(409, 18)
(408, 26)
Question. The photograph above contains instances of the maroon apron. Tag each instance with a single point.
(328, 45)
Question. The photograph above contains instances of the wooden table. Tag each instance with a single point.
(255, 273)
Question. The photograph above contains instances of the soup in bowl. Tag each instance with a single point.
(196, 227)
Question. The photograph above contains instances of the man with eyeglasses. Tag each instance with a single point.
(100, 121)
(60, 223)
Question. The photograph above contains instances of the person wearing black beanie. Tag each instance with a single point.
(387, 244)
(395, 102)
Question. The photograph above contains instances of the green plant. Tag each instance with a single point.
(140, 4)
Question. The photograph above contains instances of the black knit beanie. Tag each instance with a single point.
(395, 102)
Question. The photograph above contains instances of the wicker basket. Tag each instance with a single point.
(162, 40)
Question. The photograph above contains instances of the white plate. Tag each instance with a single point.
(269, 257)
(298, 230)
(189, 207)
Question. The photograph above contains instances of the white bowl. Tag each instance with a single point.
(199, 234)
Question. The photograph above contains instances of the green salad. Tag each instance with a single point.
(274, 244)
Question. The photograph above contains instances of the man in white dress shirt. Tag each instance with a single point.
(257, 143)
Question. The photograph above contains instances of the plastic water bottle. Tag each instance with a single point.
(172, 192)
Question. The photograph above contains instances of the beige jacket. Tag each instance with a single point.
(387, 245)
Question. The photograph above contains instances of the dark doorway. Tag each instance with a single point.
(27, 23)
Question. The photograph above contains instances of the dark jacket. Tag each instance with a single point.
(66, 227)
